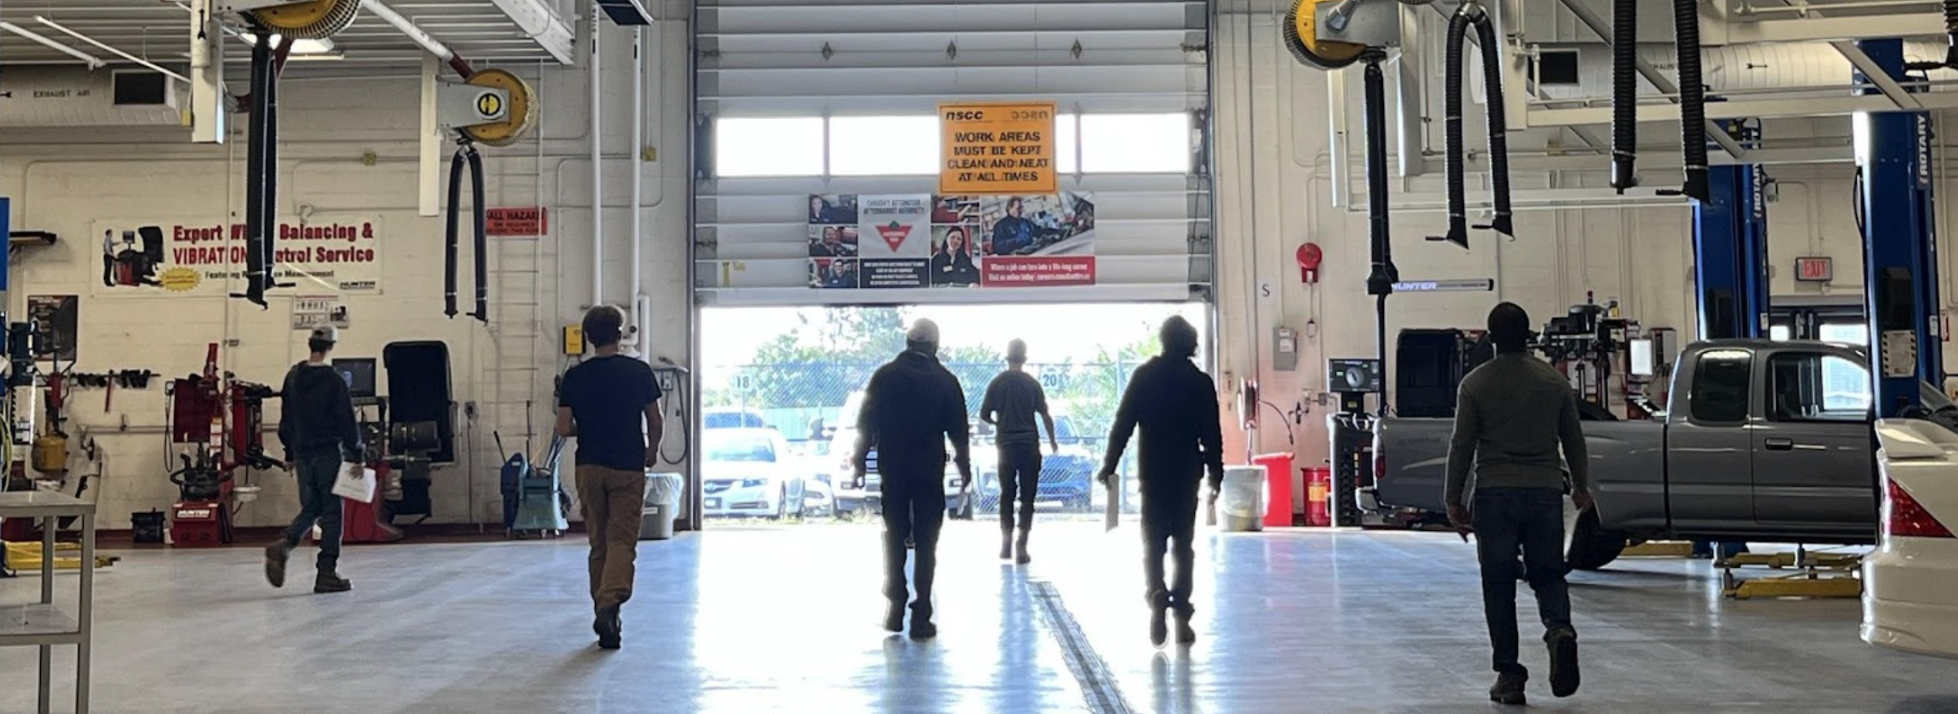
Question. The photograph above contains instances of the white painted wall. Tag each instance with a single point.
(1275, 192)
(63, 180)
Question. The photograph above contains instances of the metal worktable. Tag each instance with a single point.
(45, 624)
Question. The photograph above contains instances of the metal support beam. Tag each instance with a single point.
(1814, 29)
(1899, 243)
(544, 26)
(1876, 75)
(1730, 250)
(1746, 109)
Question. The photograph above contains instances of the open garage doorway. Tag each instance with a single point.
(782, 386)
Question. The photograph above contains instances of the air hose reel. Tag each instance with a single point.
(492, 107)
(298, 19)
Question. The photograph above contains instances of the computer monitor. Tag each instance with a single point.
(359, 373)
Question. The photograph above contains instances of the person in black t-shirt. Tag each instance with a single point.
(603, 402)
(1012, 401)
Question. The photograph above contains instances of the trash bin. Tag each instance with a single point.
(1241, 505)
(662, 505)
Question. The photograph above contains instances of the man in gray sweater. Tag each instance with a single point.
(1513, 414)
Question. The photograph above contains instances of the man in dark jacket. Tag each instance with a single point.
(1516, 427)
(911, 406)
(1175, 404)
(316, 424)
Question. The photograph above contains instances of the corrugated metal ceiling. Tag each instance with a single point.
(159, 30)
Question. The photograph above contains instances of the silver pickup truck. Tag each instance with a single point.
(1764, 441)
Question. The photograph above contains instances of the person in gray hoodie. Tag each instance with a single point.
(317, 426)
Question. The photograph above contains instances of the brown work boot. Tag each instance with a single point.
(1020, 552)
(331, 583)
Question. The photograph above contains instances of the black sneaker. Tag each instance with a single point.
(1185, 634)
(275, 563)
(1158, 626)
(894, 617)
(607, 625)
(331, 583)
(1563, 662)
(921, 627)
(1020, 554)
(1509, 690)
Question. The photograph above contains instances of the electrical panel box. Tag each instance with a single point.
(1285, 349)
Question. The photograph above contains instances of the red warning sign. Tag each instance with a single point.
(516, 222)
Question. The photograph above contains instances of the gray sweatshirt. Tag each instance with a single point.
(1512, 415)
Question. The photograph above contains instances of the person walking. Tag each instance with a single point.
(912, 405)
(1012, 401)
(316, 425)
(610, 402)
(1513, 414)
(1175, 405)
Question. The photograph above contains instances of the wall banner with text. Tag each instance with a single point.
(952, 242)
(156, 257)
(1005, 148)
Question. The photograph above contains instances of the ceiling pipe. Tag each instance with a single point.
(160, 69)
(92, 61)
(420, 37)
(595, 68)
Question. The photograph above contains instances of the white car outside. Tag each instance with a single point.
(750, 473)
(1909, 599)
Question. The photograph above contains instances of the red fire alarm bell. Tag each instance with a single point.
(1309, 257)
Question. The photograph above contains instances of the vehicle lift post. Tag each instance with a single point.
(1730, 248)
(1893, 156)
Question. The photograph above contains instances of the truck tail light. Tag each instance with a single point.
(1903, 516)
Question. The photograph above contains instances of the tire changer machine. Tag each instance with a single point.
(215, 424)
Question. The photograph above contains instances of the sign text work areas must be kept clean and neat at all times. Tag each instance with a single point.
(997, 148)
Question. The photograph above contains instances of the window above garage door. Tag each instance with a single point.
(819, 124)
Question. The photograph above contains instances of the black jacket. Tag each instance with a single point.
(1175, 404)
(911, 406)
(317, 418)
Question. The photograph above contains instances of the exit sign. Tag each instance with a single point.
(1815, 270)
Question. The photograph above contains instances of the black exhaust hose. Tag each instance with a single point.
(261, 73)
(1380, 281)
(456, 164)
(269, 240)
(1452, 109)
(1692, 98)
(1498, 125)
(1951, 33)
(1624, 93)
(482, 234)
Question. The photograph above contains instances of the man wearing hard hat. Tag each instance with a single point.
(911, 406)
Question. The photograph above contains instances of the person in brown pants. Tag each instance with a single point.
(602, 401)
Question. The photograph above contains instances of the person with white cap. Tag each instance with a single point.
(1012, 402)
(910, 408)
(316, 424)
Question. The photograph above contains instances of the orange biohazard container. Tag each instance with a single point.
(1318, 491)
(1278, 489)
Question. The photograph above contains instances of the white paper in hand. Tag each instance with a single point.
(1111, 509)
(354, 483)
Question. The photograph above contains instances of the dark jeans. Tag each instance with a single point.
(108, 270)
(317, 504)
(1169, 523)
(913, 514)
(1532, 519)
(1019, 480)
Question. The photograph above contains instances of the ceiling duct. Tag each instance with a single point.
(76, 97)
(1788, 70)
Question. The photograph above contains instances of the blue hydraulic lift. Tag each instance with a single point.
(1730, 247)
(1893, 158)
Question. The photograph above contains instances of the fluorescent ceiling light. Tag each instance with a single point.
(111, 50)
(299, 47)
(92, 61)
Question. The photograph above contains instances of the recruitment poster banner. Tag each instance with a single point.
(951, 241)
(997, 148)
(144, 258)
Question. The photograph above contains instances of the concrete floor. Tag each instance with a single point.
(750, 620)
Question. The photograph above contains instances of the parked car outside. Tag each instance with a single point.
(749, 473)
(1066, 476)
(732, 419)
